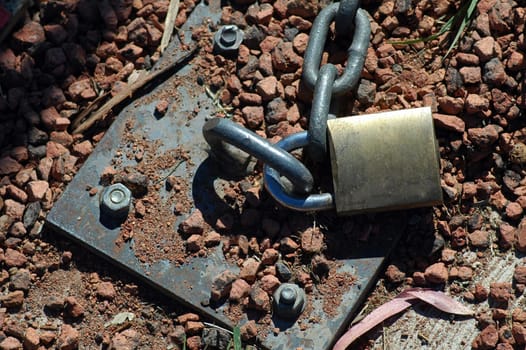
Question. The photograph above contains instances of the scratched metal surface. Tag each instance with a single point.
(77, 215)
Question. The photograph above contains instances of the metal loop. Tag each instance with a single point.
(319, 113)
(217, 131)
(271, 178)
(345, 17)
(356, 52)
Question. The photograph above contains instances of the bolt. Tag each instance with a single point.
(289, 301)
(288, 295)
(116, 200)
(228, 39)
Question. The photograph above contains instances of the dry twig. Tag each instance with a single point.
(169, 23)
(80, 126)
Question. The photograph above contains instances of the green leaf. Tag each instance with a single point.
(237, 338)
(460, 20)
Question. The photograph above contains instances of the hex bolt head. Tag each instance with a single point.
(116, 200)
(289, 301)
(228, 39)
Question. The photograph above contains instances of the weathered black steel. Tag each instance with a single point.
(273, 183)
(356, 52)
(319, 113)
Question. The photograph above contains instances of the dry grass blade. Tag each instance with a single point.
(460, 20)
(169, 23)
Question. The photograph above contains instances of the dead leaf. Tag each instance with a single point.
(441, 301)
(400, 303)
(120, 318)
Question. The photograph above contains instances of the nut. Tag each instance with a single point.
(289, 301)
(228, 39)
(116, 200)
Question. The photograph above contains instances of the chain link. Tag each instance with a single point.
(220, 133)
(326, 85)
(356, 52)
(346, 10)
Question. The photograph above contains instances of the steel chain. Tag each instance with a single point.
(278, 162)
(318, 78)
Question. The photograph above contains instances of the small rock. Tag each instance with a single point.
(10, 343)
(161, 107)
(287, 245)
(37, 189)
(269, 283)
(249, 270)
(520, 236)
(83, 149)
(240, 290)
(31, 34)
(475, 104)
(394, 275)
(73, 307)
(184, 318)
(126, 340)
(483, 137)
(267, 88)
(270, 256)
(193, 342)
(215, 338)
(487, 339)
(248, 330)
(471, 75)
(485, 48)
(479, 239)
(68, 339)
(193, 327)
(480, 293)
(194, 243)
(436, 273)
(259, 299)
(31, 339)
(106, 290)
(283, 272)
(519, 333)
(212, 239)
(514, 211)
(312, 240)
(465, 273)
(253, 115)
(222, 285)
(13, 299)
(21, 280)
(194, 224)
(449, 122)
(9, 166)
(14, 258)
(284, 59)
(494, 72)
(500, 292)
(520, 274)
(31, 214)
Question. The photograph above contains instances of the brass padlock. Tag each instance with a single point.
(384, 161)
(380, 162)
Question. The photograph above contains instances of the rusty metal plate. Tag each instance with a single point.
(77, 215)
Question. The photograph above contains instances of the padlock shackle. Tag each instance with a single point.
(274, 186)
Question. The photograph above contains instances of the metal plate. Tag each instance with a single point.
(77, 215)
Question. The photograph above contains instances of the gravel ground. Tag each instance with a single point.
(66, 53)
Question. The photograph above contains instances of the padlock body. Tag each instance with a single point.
(384, 161)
